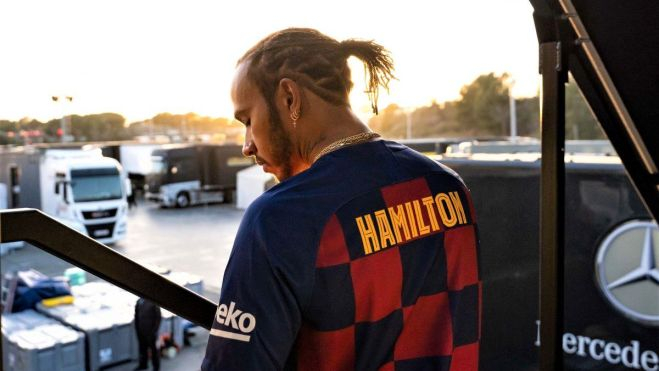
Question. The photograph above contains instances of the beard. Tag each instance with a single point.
(280, 143)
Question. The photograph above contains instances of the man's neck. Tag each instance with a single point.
(322, 135)
(333, 126)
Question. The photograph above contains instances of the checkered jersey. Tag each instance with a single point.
(399, 296)
(380, 273)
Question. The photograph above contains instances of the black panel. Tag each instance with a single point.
(626, 36)
(505, 196)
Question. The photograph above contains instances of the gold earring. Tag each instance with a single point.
(295, 115)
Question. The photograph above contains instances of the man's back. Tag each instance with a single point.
(367, 260)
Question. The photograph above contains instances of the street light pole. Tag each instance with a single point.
(56, 99)
(408, 123)
(513, 112)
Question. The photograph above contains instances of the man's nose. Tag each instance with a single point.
(249, 149)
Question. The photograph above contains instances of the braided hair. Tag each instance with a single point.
(318, 63)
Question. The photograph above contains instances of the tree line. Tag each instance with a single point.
(482, 110)
(112, 127)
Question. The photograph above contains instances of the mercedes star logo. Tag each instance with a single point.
(627, 270)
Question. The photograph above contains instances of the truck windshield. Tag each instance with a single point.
(158, 165)
(96, 184)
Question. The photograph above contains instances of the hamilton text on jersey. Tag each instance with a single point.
(410, 220)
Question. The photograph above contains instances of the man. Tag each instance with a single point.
(365, 255)
(147, 324)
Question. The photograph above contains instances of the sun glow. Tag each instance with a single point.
(140, 58)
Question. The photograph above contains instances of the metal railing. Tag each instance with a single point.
(44, 232)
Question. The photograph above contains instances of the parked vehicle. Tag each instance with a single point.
(80, 187)
(184, 175)
(135, 159)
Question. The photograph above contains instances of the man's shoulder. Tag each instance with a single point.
(287, 214)
(281, 201)
(409, 158)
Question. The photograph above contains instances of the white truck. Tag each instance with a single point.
(79, 187)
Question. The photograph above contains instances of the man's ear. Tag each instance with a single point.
(289, 96)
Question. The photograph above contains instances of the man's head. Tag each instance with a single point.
(293, 73)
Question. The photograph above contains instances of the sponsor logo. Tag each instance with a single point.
(236, 320)
(629, 355)
(628, 273)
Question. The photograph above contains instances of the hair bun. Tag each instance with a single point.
(351, 47)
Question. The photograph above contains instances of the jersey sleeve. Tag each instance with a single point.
(266, 282)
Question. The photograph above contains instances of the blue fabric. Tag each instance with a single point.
(32, 287)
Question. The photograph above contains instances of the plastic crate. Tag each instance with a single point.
(25, 320)
(14, 322)
(32, 342)
(109, 334)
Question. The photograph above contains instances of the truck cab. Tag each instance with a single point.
(87, 188)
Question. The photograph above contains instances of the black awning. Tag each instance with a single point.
(612, 48)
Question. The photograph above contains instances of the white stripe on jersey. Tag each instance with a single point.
(230, 335)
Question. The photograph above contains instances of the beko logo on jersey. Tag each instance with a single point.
(236, 319)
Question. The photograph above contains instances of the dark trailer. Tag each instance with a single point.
(600, 203)
(184, 175)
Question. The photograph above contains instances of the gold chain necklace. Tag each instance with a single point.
(347, 141)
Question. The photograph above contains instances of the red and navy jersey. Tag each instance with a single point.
(366, 261)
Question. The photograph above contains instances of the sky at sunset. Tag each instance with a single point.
(140, 58)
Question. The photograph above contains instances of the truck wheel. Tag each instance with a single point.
(182, 200)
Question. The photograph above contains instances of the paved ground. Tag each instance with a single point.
(196, 240)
